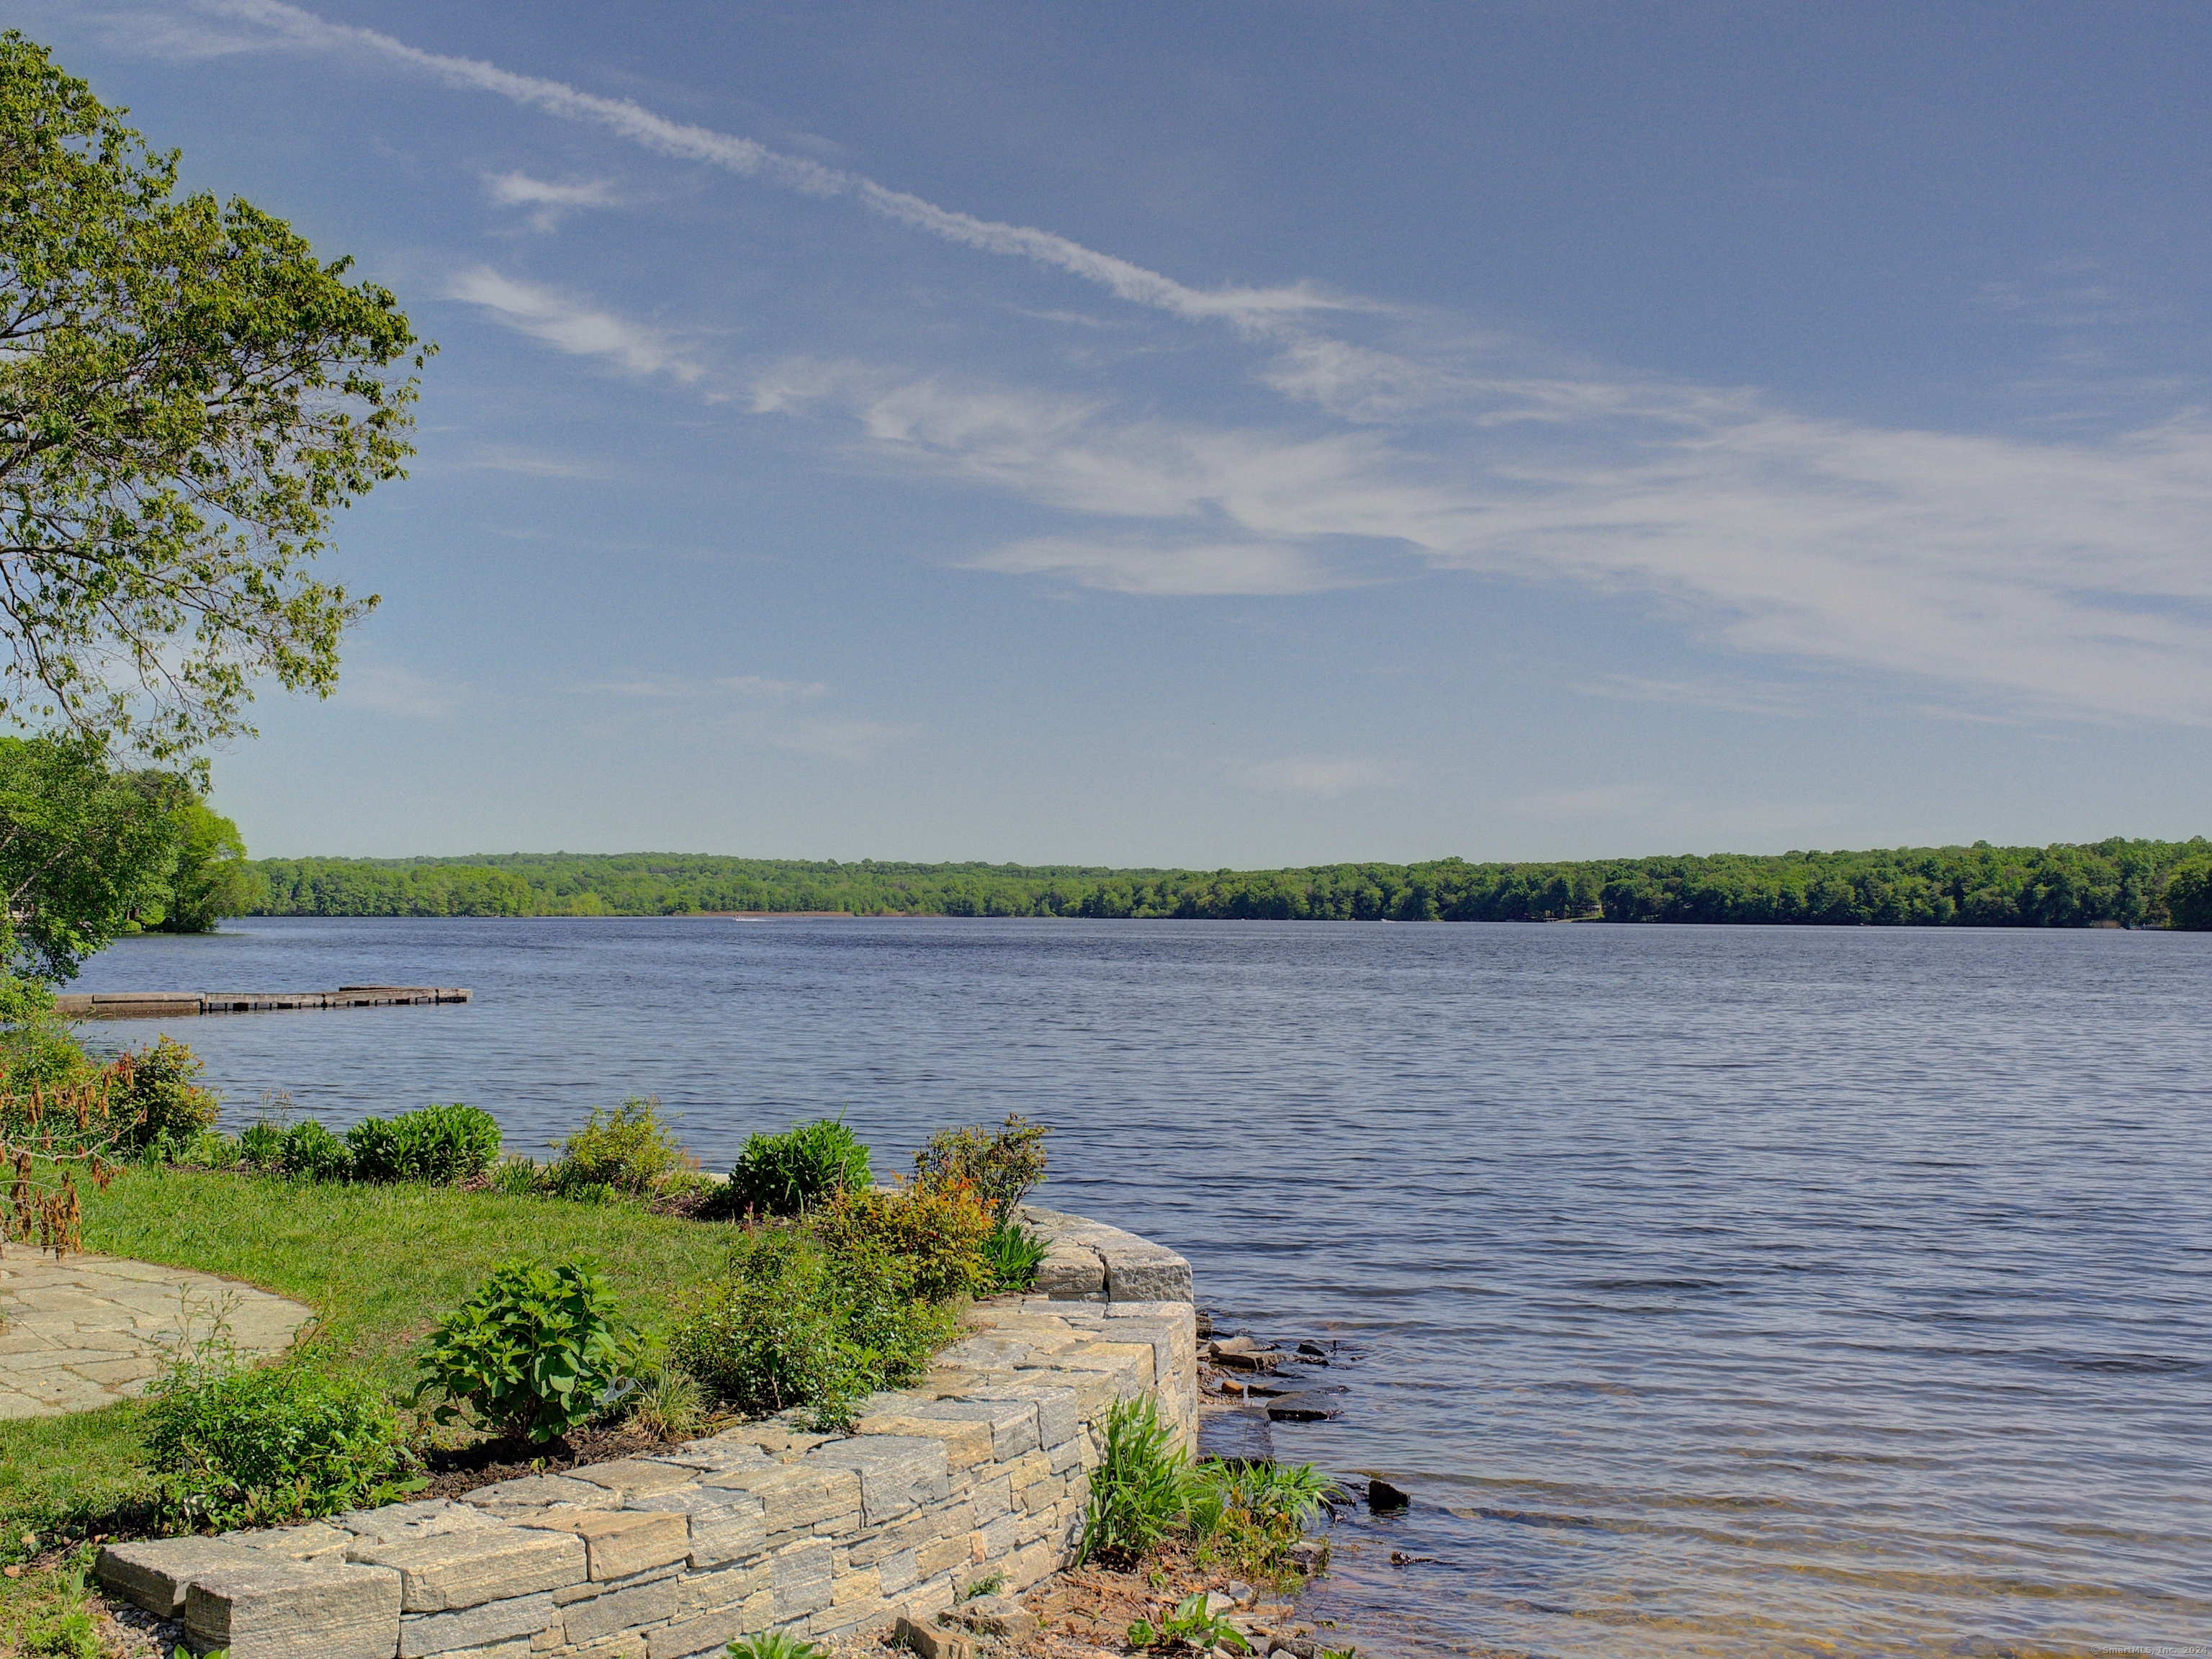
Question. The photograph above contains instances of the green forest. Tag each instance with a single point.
(2129, 884)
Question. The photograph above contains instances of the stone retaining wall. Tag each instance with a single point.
(982, 1470)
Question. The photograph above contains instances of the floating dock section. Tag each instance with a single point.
(176, 1005)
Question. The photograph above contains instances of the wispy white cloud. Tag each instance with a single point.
(547, 200)
(1325, 775)
(851, 741)
(742, 687)
(2069, 578)
(2066, 579)
(389, 688)
(1254, 308)
(532, 463)
(570, 324)
(1174, 569)
(1728, 696)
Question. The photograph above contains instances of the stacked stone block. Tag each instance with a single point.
(983, 1470)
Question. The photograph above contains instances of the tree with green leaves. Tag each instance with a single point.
(85, 852)
(187, 395)
(212, 878)
(2189, 896)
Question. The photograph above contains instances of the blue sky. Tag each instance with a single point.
(1243, 434)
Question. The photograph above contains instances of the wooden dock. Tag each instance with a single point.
(176, 1005)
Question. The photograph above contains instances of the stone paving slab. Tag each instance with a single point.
(88, 1330)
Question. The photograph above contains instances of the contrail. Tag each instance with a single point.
(1250, 310)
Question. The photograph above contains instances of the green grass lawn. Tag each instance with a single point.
(378, 1263)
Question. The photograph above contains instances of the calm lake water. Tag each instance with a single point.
(1731, 1291)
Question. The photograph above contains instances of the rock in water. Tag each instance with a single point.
(1383, 1496)
(1235, 1436)
(1302, 1408)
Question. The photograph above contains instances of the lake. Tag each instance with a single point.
(1720, 1292)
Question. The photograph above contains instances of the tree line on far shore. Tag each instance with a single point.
(2118, 881)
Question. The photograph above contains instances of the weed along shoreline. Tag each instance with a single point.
(607, 1406)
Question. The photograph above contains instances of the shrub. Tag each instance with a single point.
(1139, 1490)
(1190, 1628)
(533, 1353)
(441, 1144)
(36, 1049)
(1252, 1513)
(940, 1231)
(518, 1178)
(313, 1154)
(209, 1149)
(235, 1447)
(792, 1325)
(261, 1145)
(629, 1150)
(668, 1403)
(781, 1175)
(157, 1099)
(1002, 1165)
(1014, 1253)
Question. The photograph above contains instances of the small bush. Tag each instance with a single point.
(781, 1175)
(1190, 1628)
(518, 1178)
(235, 1447)
(668, 1403)
(1252, 1513)
(36, 1049)
(158, 1100)
(1014, 1254)
(940, 1231)
(209, 1149)
(1002, 1165)
(1140, 1489)
(444, 1145)
(533, 1354)
(793, 1325)
(261, 1145)
(312, 1153)
(629, 1150)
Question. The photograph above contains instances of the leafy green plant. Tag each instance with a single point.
(533, 1353)
(937, 1233)
(234, 1446)
(1002, 1164)
(443, 1145)
(1190, 1626)
(1254, 1513)
(989, 1584)
(518, 1178)
(208, 1148)
(668, 1402)
(158, 1098)
(59, 1624)
(774, 1644)
(792, 1324)
(782, 1174)
(1014, 1254)
(630, 1151)
(1139, 1490)
(312, 1153)
(261, 1145)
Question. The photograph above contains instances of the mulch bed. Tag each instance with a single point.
(459, 1469)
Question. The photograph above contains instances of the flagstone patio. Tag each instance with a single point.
(88, 1330)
